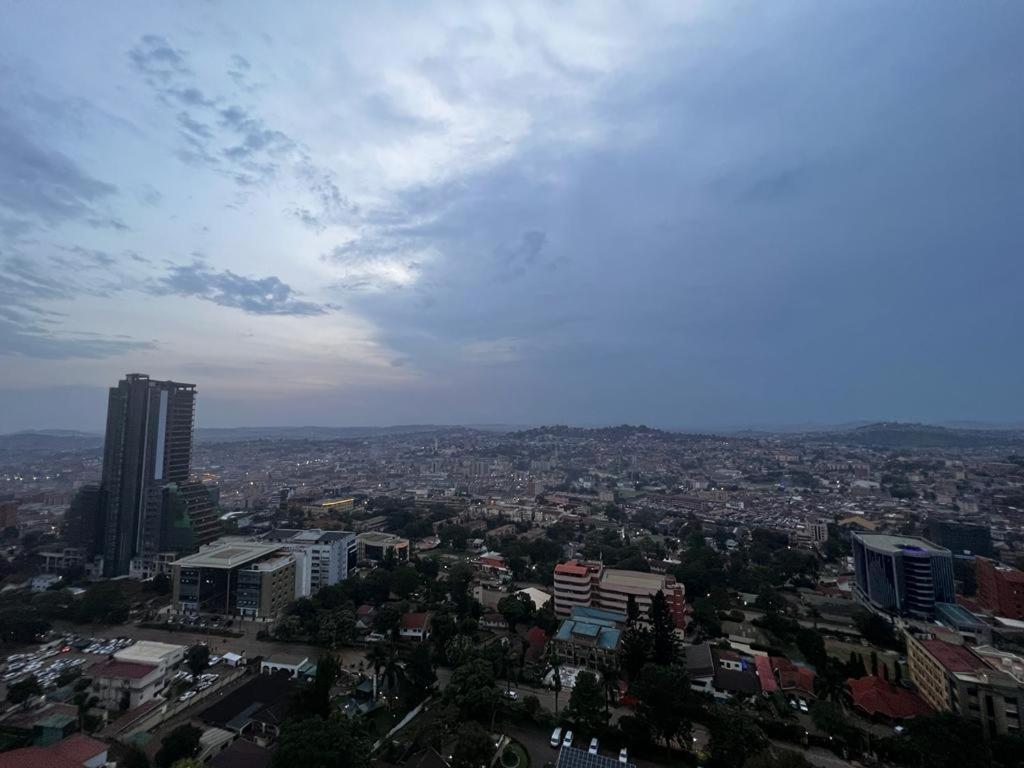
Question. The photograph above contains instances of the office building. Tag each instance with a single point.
(148, 444)
(231, 577)
(901, 575)
(331, 553)
(962, 539)
(377, 547)
(979, 684)
(84, 521)
(1000, 588)
(590, 584)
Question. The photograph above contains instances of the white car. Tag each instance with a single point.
(593, 746)
(567, 741)
(623, 756)
(186, 695)
(803, 705)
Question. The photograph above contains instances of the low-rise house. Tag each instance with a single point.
(414, 626)
(124, 685)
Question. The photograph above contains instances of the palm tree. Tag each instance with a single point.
(556, 665)
(378, 658)
(610, 680)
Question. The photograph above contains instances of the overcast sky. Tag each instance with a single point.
(683, 214)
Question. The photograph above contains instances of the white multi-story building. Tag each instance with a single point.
(329, 553)
(590, 584)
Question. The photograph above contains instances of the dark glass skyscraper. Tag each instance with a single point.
(148, 445)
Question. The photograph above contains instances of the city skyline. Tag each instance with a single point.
(687, 216)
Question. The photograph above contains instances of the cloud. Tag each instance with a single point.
(29, 329)
(35, 341)
(257, 296)
(40, 185)
(157, 61)
(515, 259)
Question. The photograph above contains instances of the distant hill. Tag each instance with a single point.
(900, 435)
(241, 434)
(48, 441)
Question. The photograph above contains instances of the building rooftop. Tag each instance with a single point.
(599, 615)
(146, 651)
(955, 658)
(876, 696)
(884, 542)
(228, 555)
(958, 616)
(602, 634)
(647, 583)
(127, 670)
(572, 569)
(377, 537)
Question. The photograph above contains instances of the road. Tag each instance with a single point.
(815, 755)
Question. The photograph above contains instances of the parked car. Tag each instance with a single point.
(567, 741)
(803, 705)
(556, 737)
(593, 746)
(623, 756)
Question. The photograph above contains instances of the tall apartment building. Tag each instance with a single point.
(148, 444)
(331, 553)
(589, 584)
(233, 577)
(1000, 588)
(978, 684)
(901, 574)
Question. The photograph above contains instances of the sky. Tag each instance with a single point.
(684, 214)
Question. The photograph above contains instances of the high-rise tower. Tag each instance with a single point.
(148, 445)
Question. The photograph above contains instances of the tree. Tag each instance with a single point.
(420, 668)
(180, 743)
(404, 581)
(23, 689)
(473, 746)
(705, 617)
(315, 699)
(516, 609)
(664, 643)
(635, 651)
(472, 689)
(103, 603)
(336, 627)
(314, 742)
(133, 757)
(387, 621)
(198, 658)
(586, 704)
(666, 701)
(734, 736)
(161, 584)
(555, 662)
(831, 719)
(632, 611)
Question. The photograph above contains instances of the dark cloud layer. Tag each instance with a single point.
(258, 296)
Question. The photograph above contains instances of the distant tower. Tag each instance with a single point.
(148, 445)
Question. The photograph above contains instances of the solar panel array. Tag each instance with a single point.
(570, 757)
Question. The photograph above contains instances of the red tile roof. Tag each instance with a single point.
(415, 620)
(80, 747)
(572, 569)
(765, 674)
(129, 670)
(955, 658)
(35, 757)
(875, 696)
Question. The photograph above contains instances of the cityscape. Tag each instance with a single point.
(511, 384)
(458, 595)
